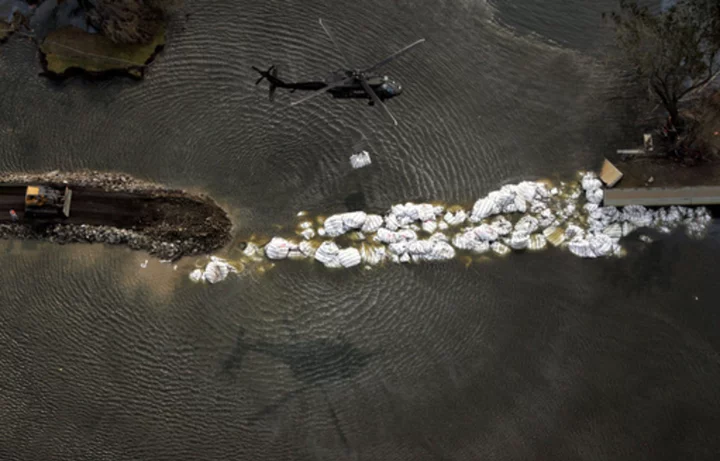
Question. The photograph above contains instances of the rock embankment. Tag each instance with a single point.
(118, 209)
(108, 181)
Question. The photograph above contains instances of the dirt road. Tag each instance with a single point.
(168, 216)
(96, 207)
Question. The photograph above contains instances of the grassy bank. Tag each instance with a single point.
(71, 49)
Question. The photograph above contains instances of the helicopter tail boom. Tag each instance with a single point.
(272, 78)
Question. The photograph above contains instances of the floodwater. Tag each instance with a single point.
(534, 356)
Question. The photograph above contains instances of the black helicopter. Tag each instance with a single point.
(344, 83)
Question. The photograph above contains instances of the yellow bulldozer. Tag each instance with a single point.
(47, 202)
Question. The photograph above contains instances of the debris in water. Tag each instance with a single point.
(360, 160)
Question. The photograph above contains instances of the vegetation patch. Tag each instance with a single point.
(4, 31)
(71, 49)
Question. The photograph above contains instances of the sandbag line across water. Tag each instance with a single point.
(529, 216)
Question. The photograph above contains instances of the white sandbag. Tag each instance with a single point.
(386, 236)
(594, 196)
(399, 210)
(595, 226)
(546, 218)
(501, 225)
(500, 249)
(349, 257)
(527, 225)
(251, 249)
(485, 232)
(610, 214)
(278, 248)
(372, 223)
(518, 240)
(681, 210)
(429, 226)
(537, 207)
(574, 231)
(425, 212)
(554, 235)
(510, 208)
(440, 251)
(360, 160)
(420, 247)
(196, 275)
(520, 204)
(638, 215)
(536, 242)
(405, 258)
(668, 217)
(308, 234)
(307, 249)
(483, 208)
(614, 231)
(354, 220)
(217, 270)
(462, 241)
(542, 192)
(506, 194)
(590, 208)
(391, 222)
(443, 226)
(695, 229)
(455, 218)
(334, 226)
(327, 254)
(601, 244)
(627, 228)
(527, 190)
(590, 183)
(479, 247)
(407, 234)
(581, 247)
(398, 248)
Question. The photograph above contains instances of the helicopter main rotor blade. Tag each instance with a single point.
(375, 98)
(335, 44)
(393, 56)
(329, 87)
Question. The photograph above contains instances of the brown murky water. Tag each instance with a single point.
(535, 356)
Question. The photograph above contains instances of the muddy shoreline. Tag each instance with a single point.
(118, 209)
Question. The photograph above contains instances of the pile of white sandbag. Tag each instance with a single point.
(524, 216)
(215, 271)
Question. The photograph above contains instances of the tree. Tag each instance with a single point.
(675, 51)
(129, 21)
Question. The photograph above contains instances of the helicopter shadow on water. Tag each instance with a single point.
(314, 363)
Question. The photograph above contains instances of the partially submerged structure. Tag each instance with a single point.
(95, 207)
